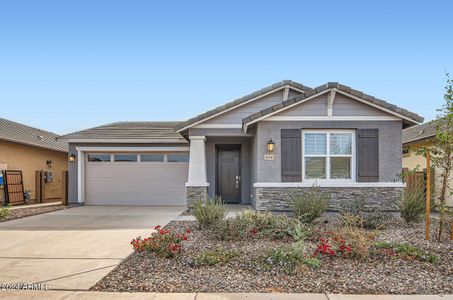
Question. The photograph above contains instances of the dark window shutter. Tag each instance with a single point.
(367, 155)
(291, 155)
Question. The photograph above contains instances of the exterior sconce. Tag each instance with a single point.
(71, 158)
(270, 146)
(49, 163)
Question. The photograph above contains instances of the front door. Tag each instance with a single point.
(228, 183)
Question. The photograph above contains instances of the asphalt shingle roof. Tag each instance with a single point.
(23, 134)
(241, 100)
(341, 87)
(130, 131)
(420, 132)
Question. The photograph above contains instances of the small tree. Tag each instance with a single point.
(442, 149)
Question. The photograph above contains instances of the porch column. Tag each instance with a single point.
(197, 183)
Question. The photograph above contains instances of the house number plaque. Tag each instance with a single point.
(269, 157)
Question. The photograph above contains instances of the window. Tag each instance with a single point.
(178, 157)
(98, 157)
(328, 155)
(152, 157)
(125, 157)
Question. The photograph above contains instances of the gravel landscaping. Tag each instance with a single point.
(377, 274)
(31, 211)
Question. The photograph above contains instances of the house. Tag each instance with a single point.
(421, 136)
(255, 150)
(27, 149)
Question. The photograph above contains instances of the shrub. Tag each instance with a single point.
(251, 224)
(214, 257)
(308, 206)
(413, 203)
(347, 242)
(356, 214)
(4, 212)
(210, 212)
(406, 251)
(162, 242)
(312, 262)
(286, 258)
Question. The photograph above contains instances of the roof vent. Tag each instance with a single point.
(40, 137)
(421, 131)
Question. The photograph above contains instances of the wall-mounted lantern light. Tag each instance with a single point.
(49, 163)
(270, 146)
(71, 158)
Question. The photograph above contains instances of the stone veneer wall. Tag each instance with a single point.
(275, 198)
(196, 193)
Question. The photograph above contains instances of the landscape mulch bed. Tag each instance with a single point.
(31, 211)
(376, 275)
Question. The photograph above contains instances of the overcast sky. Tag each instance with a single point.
(70, 65)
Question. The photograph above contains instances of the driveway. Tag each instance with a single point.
(74, 248)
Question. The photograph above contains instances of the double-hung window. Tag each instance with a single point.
(328, 155)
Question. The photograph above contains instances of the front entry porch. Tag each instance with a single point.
(219, 166)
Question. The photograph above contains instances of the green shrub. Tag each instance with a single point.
(407, 251)
(252, 224)
(413, 203)
(356, 214)
(312, 262)
(214, 257)
(288, 258)
(210, 212)
(4, 212)
(308, 206)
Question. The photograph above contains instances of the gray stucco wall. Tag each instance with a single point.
(246, 181)
(72, 166)
(390, 161)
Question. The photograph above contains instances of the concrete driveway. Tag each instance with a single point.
(74, 248)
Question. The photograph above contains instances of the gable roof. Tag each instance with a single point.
(241, 101)
(23, 134)
(410, 117)
(127, 132)
(420, 132)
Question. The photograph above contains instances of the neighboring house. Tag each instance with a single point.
(255, 150)
(29, 149)
(422, 136)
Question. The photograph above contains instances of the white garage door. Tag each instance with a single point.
(136, 179)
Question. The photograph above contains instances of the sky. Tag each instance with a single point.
(70, 65)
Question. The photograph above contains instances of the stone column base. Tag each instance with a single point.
(196, 193)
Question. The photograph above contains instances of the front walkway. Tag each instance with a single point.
(74, 248)
(53, 295)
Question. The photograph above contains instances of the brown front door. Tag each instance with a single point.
(228, 185)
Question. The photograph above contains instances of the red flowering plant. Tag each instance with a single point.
(162, 242)
(346, 242)
(333, 245)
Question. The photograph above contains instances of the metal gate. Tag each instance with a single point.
(14, 187)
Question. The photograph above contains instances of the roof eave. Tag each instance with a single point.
(34, 145)
(126, 141)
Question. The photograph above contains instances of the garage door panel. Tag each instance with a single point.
(121, 183)
(123, 199)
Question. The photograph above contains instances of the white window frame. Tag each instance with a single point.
(99, 162)
(164, 158)
(353, 156)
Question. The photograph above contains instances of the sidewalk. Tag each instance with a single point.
(52, 295)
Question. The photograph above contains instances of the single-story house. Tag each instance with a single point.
(422, 136)
(27, 149)
(255, 150)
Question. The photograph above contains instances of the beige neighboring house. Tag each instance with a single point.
(29, 150)
(421, 136)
